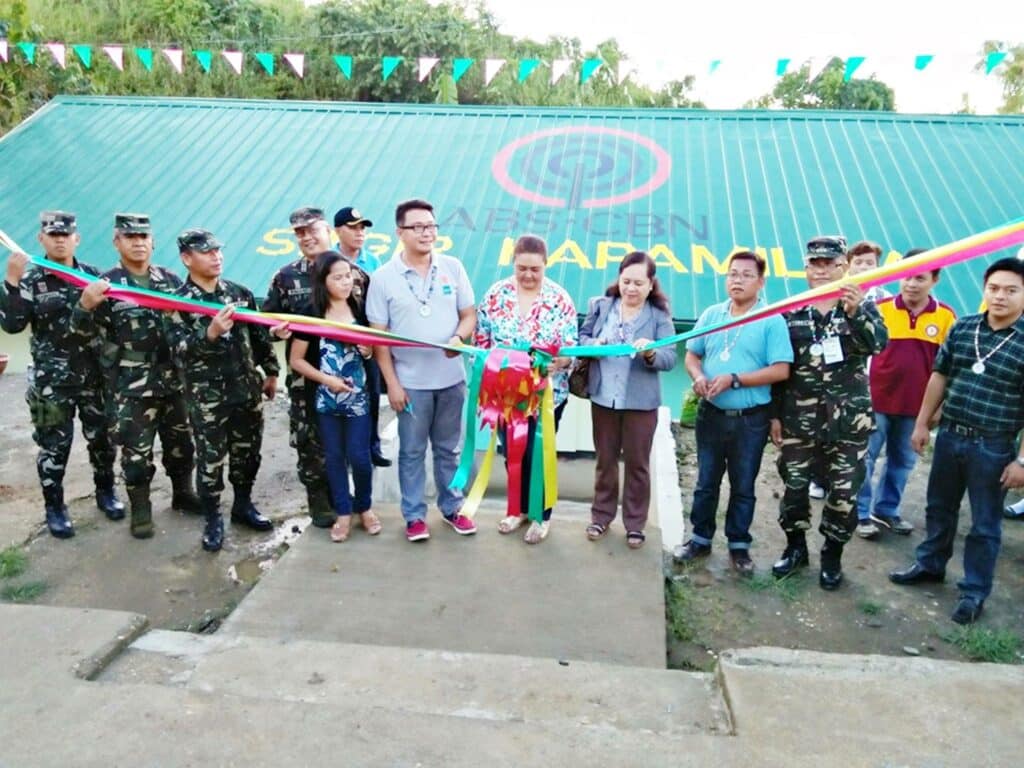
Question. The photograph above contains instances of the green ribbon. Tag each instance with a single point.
(536, 505)
(461, 479)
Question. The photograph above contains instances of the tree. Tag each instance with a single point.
(1011, 73)
(828, 90)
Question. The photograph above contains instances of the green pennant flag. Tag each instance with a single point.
(205, 59)
(993, 60)
(266, 60)
(714, 65)
(388, 65)
(345, 65)
(781, 66)
(922, 61)
(84, 53)
(851, 66)
(459, 68)
(29, 49)
(589, 67)
(526, 67)
(146, 57)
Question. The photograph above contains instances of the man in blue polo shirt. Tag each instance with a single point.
(732, 372)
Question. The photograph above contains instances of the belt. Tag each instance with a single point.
(965, 431)
(737, 411)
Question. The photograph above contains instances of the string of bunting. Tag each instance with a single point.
(508, 386)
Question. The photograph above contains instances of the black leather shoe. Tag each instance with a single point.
(378, 460)
(793, 559)
(967, 610)
(915, 574)
(213, 533)
(58, 523)
(245, 513)
(830, 577)
(108, 502)
(690, 551)
(741, 562)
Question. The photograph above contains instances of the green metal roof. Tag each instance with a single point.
(687, 185)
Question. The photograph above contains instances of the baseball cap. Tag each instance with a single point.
(133, 223)
(350, 215)
(200, 240)
(826, 247)
(303, 217)
(58, 223)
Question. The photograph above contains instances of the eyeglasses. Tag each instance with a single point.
(742, 276)
(419, 229)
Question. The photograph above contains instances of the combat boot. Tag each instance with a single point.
(213, 531)
(141, 511)
(106, 498)
(794, 557)
(244, 511)
(320, 506)
(57, 519)
(184, 497)
(831, 575)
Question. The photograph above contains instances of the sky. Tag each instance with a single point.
(666, 40)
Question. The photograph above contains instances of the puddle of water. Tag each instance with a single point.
(263, 555)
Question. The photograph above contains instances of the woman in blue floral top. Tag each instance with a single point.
(529, 309)
(342, 406)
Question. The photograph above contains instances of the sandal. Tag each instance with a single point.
(595, 531)
(510, 523)
(341, 528)
(537, 532)
(371, 523)
(635, 539)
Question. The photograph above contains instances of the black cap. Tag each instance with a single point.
(132, 224)
(57, 223)
(199, 240)
(350, 215)
(303, 217)
(826, 247)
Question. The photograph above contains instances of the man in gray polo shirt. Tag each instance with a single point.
(428, 296)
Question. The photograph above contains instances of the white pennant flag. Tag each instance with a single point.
(176, 57)
(621, 73)
(558, 68)
(235, 60)
(297, 61)
(427, 63)
(3, 51)
(817, 66)
(491, 68)
(116, 54)
(59, 53)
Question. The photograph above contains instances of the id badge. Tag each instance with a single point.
(832, 349)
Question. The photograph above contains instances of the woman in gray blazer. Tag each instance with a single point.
(625, 393)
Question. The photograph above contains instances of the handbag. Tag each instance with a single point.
(580, 377)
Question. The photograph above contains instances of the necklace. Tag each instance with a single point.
(424, 301)
(817, 348)
(979, 364)
(726, 352)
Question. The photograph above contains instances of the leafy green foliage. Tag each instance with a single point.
(999, 646)
(23, 593)
(1010, 72)
(13, 562)
(828, 90)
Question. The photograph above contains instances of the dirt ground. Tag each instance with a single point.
(717, 609)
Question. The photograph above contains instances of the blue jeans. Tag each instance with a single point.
(734, 444)
(974, 465)
(346, 441)
(435, 414)
(894, 433)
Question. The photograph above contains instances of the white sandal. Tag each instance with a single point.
(510, 523)
(537, 532)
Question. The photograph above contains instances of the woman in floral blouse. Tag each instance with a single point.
(527, 308)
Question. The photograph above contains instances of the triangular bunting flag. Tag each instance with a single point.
(922, 61)
(205, 59)
(491, 68)
(388, 65)
(177, 58)
(234, 58)
(29, 49)
(116, 54)
(589, 67)
(59, 52)
(852, 63)
(992, 60)
(146, 57)
(816, 66)
(621, 73)
(558, 68)
(4, 53)
(84, 53)
(781, 66)
(526, 67)
(297, 61)
(266, 60)
(345, 65)
(460, 67)
(715, 64)
(427, 63)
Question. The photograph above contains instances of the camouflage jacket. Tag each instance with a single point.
(829, 401)
(60, 358)
(223, 370)
(135, 352)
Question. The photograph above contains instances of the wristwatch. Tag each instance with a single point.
(1020, 460)
(735, 381)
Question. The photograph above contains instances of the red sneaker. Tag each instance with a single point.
(417, 531)
(461, 524)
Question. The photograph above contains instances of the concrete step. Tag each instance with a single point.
(415, 682)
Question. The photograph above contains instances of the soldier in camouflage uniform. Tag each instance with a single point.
(219, 360)
(65, 374)
(147, 385)
(825, 407)
(290, 292)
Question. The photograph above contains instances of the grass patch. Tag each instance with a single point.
(679, 612)
(1000, 646)
(13, 562)
(23, 593)
(788, 589)
(869, 608)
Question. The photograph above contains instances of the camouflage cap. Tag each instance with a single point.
(826, 247)
(58, 223)
(348, 216)
(132, 224)
(199, 240)
(303, 217)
